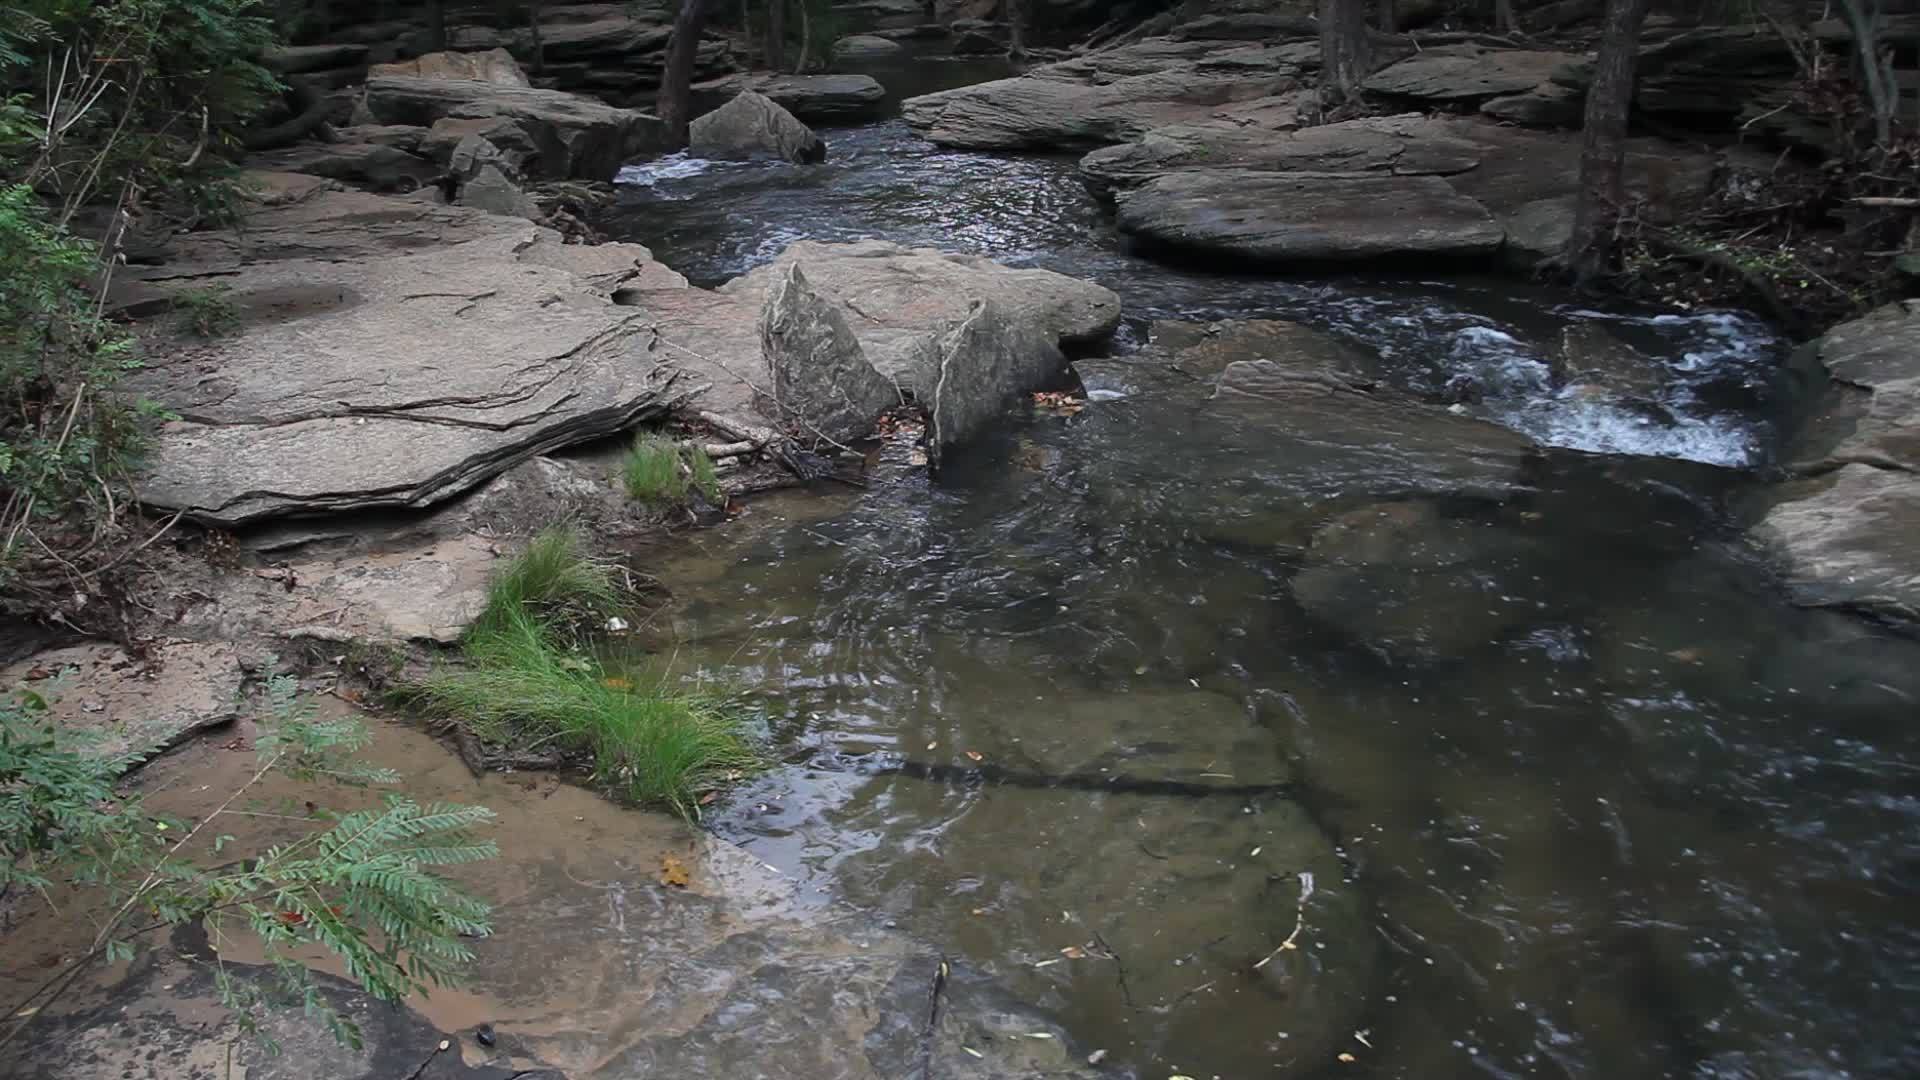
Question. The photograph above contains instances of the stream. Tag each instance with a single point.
(1597, 803)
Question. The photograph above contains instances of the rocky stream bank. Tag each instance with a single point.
(428, 367)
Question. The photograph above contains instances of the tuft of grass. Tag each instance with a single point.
(554, 580)
(524, 683)
(662, 472)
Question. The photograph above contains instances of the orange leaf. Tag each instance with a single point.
(975, 755)
(615, 682)
(673, 872)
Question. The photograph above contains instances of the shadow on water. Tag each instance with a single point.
(1567, 789)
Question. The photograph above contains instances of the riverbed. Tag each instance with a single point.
(1593, 801)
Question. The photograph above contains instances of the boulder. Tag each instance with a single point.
(983, 365)
(1849, 539)
(818, 371)
(1280, 219)
(494, 66)
(1849, 535)
(751, 126)
(811, 98)
(1465, 74)
(369, 164)
(484, 178)
(866, 47)
(574, 137)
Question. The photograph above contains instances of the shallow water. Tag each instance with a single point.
(1578, 794)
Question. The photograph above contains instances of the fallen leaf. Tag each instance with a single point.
(972, 1051)
(1073, 952)
(975, 755)
(1346, 1058)
(615, 682)
(673, 872)
(931, 745)
(1685, 656)
(1096, 1057)
(707, 799)
(916, 456)
(1039, 1035)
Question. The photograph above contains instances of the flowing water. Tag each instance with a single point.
(1554, 784)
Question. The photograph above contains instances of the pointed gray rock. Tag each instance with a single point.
(753, 126)
(820, 374)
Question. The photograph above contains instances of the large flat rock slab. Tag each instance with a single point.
(1280, 219)
(1106, 97)
(1386, 146)
(1466, 73)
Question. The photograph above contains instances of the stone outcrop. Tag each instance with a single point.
(751, 126)
(1284, 219)
(1465, 74)
(982, 365)
(376, 165)
(570, 137)
(128, 708)
(1525, 181)
(494, 66)
(1109, 96)
(1848, 531)
(866, 47)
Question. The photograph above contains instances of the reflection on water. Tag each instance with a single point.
(1578, 796)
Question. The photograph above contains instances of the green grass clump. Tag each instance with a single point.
(660, 471)
(525, 682)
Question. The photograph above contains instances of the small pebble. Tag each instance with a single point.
(484, 1035)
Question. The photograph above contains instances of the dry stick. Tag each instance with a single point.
(1299, 921)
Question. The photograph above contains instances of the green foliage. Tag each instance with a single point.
(206, 312)
(363, 885)
(553, 580)
(62, 432)
(662, 472)
(525, 681)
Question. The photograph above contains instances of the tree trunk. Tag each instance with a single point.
(676, 83)
(1386, 16)
(746, 30)
(806, 39)
(1603, 146)
(777, 34)
(1016, 29)
(1503, 16)
(533, 31)
(437, 25)
(1344, 54)
(1876, 71)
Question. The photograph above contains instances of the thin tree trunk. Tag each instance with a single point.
(539, 47)
(746, 29)
(777, 34)
(1503, 16)
(1876, 72)
(1344, 53)
(677, 82)
(806, 39)
(1016, 29)
(1388, 18)
(1603, 145)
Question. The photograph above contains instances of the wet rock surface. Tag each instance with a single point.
(1276, 218)
(128, 706)
(1850, 535)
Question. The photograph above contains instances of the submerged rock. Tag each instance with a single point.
(865, 47)
(751, 126)
(1280, 219)
(127, 706)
